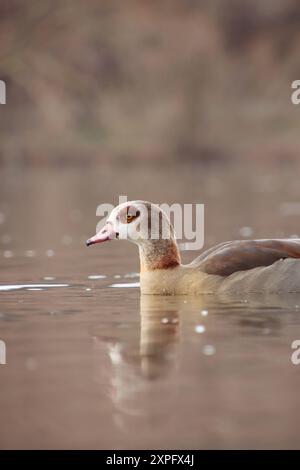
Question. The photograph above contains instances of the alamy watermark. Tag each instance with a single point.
(2, 92)
(2, 352)
(187, 220)
(295, 97)
(295, 357)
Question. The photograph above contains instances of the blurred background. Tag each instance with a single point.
(147, 82)
(170, 101)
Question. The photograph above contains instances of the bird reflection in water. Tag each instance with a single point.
(140, 359)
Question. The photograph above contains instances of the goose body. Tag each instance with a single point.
(236, 266)
(282, 276)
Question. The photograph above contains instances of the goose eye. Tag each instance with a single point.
(131, 217)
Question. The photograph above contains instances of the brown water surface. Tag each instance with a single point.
(91, 364)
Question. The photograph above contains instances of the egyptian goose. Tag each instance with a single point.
(240, 266)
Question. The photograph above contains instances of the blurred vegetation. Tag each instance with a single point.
(149, 80)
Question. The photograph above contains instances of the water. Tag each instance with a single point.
(92, 364)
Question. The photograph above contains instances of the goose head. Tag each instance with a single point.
(146, 225)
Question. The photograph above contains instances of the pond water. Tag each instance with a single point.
(92, 364)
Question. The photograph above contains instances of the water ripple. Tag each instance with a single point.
(12, 287)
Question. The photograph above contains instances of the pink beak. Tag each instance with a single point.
(106, 233)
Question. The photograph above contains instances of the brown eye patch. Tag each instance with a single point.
(129, 214)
